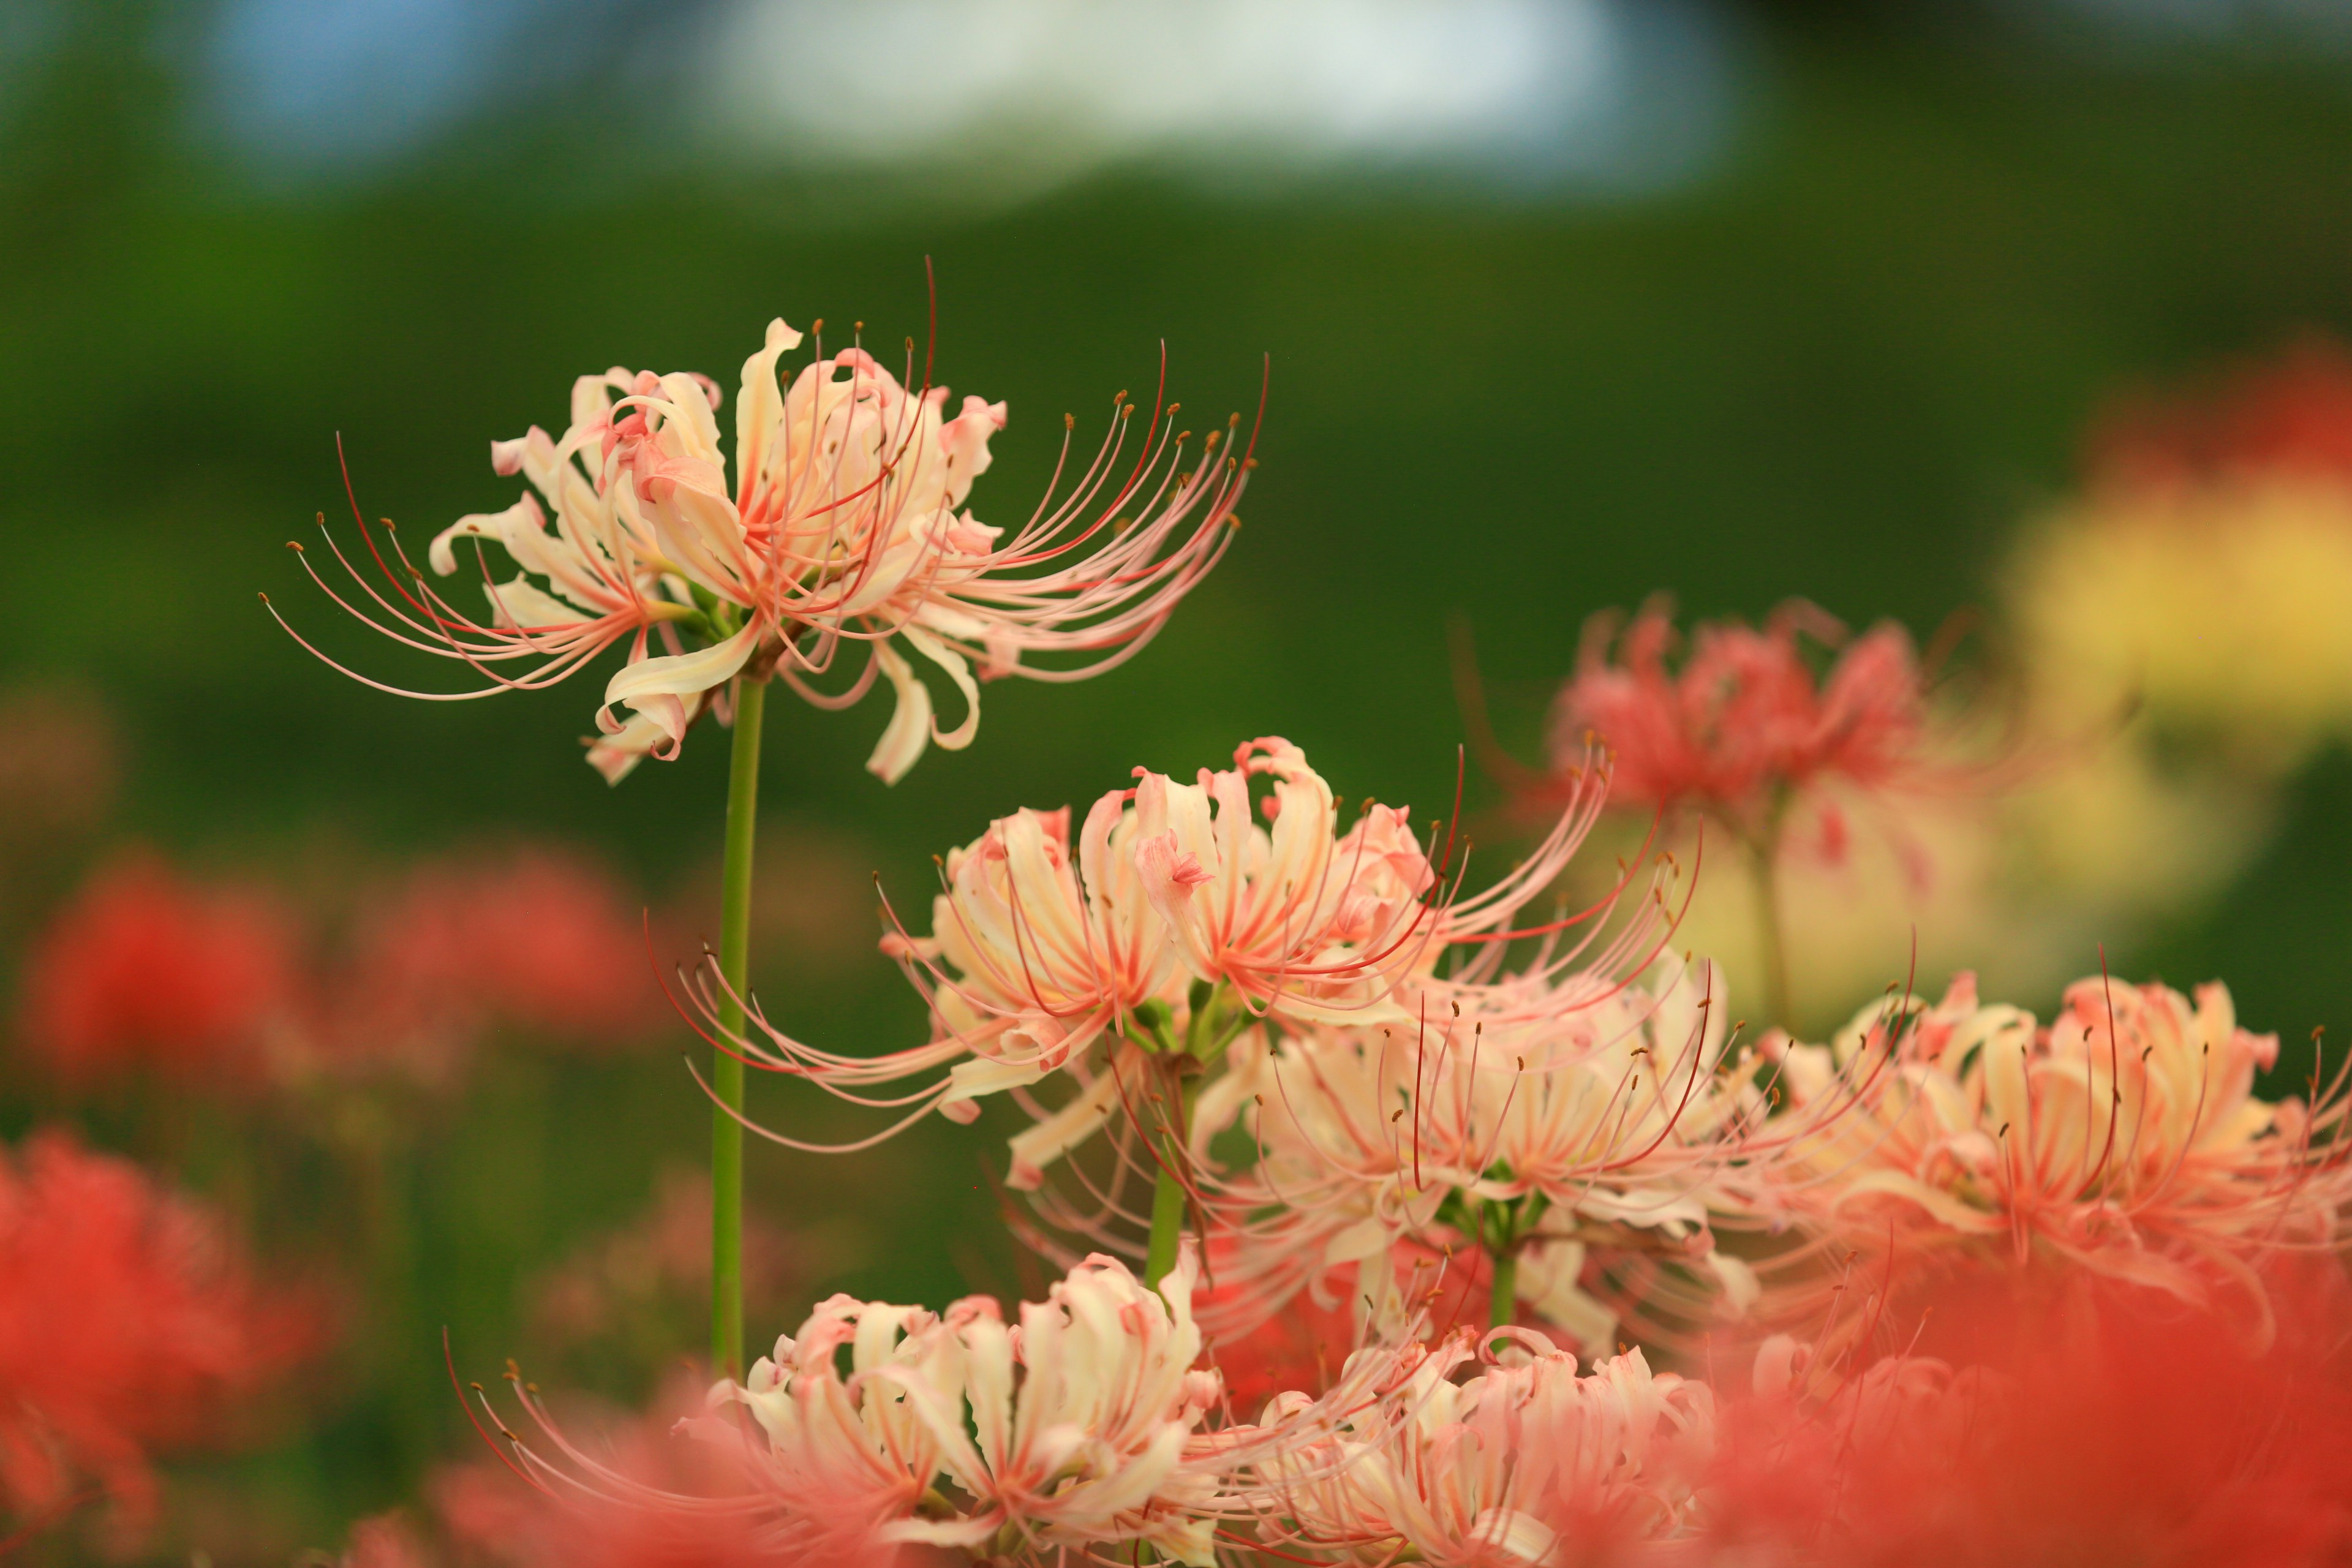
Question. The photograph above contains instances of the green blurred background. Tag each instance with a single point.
(1823, 314)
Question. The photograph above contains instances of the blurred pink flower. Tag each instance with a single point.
(385, 1540)
(2086, 1432)
(145, 970)
(130, 1324)
(671, 1488)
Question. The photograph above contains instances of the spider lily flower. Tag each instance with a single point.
(2125, 1137)
(1073, 1430)
(1083, 1430)
(1610, 1124)
(1180, 923)
(844, 523)
(1743, 723)
(1525, 1463)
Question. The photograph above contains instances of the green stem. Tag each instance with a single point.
(726, 1071)
(1503, 1294)
(1765, 855)
(1169, 1198)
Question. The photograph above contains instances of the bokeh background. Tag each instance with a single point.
(1567, 302)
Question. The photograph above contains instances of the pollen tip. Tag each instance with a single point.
(1069, 421)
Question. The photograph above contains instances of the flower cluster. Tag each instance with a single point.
(1179, 922)
(1086, 1426)
(844, 526)
(1332, 1103)
(2124, 1138)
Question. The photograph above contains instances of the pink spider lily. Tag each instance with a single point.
(1612, 1125)
(1525, 1463)
(1080, 1432)
(841, 526)
(1140, 948)
(2125, 1139)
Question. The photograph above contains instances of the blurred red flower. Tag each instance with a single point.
(672, 1488)
(143, 969)
(2118, 1429)
(534, 939)
(130, 1323)
(2291, 416)
(1743, 723)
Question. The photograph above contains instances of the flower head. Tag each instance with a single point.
(130, 1325)
(2124, 1138)
(1744, 720)
(1081, 1429)
(1606, 1126)
(843, 525)
(1524, 1463)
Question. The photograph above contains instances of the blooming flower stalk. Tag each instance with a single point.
(1743, 730)
(843, 527)
(839, 528)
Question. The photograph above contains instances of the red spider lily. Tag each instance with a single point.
(2090, 1427)
(145, 970)
(1524, 1463)
(1744, 721)
(668, 1490)
(2288, 417)
(130, 1325)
